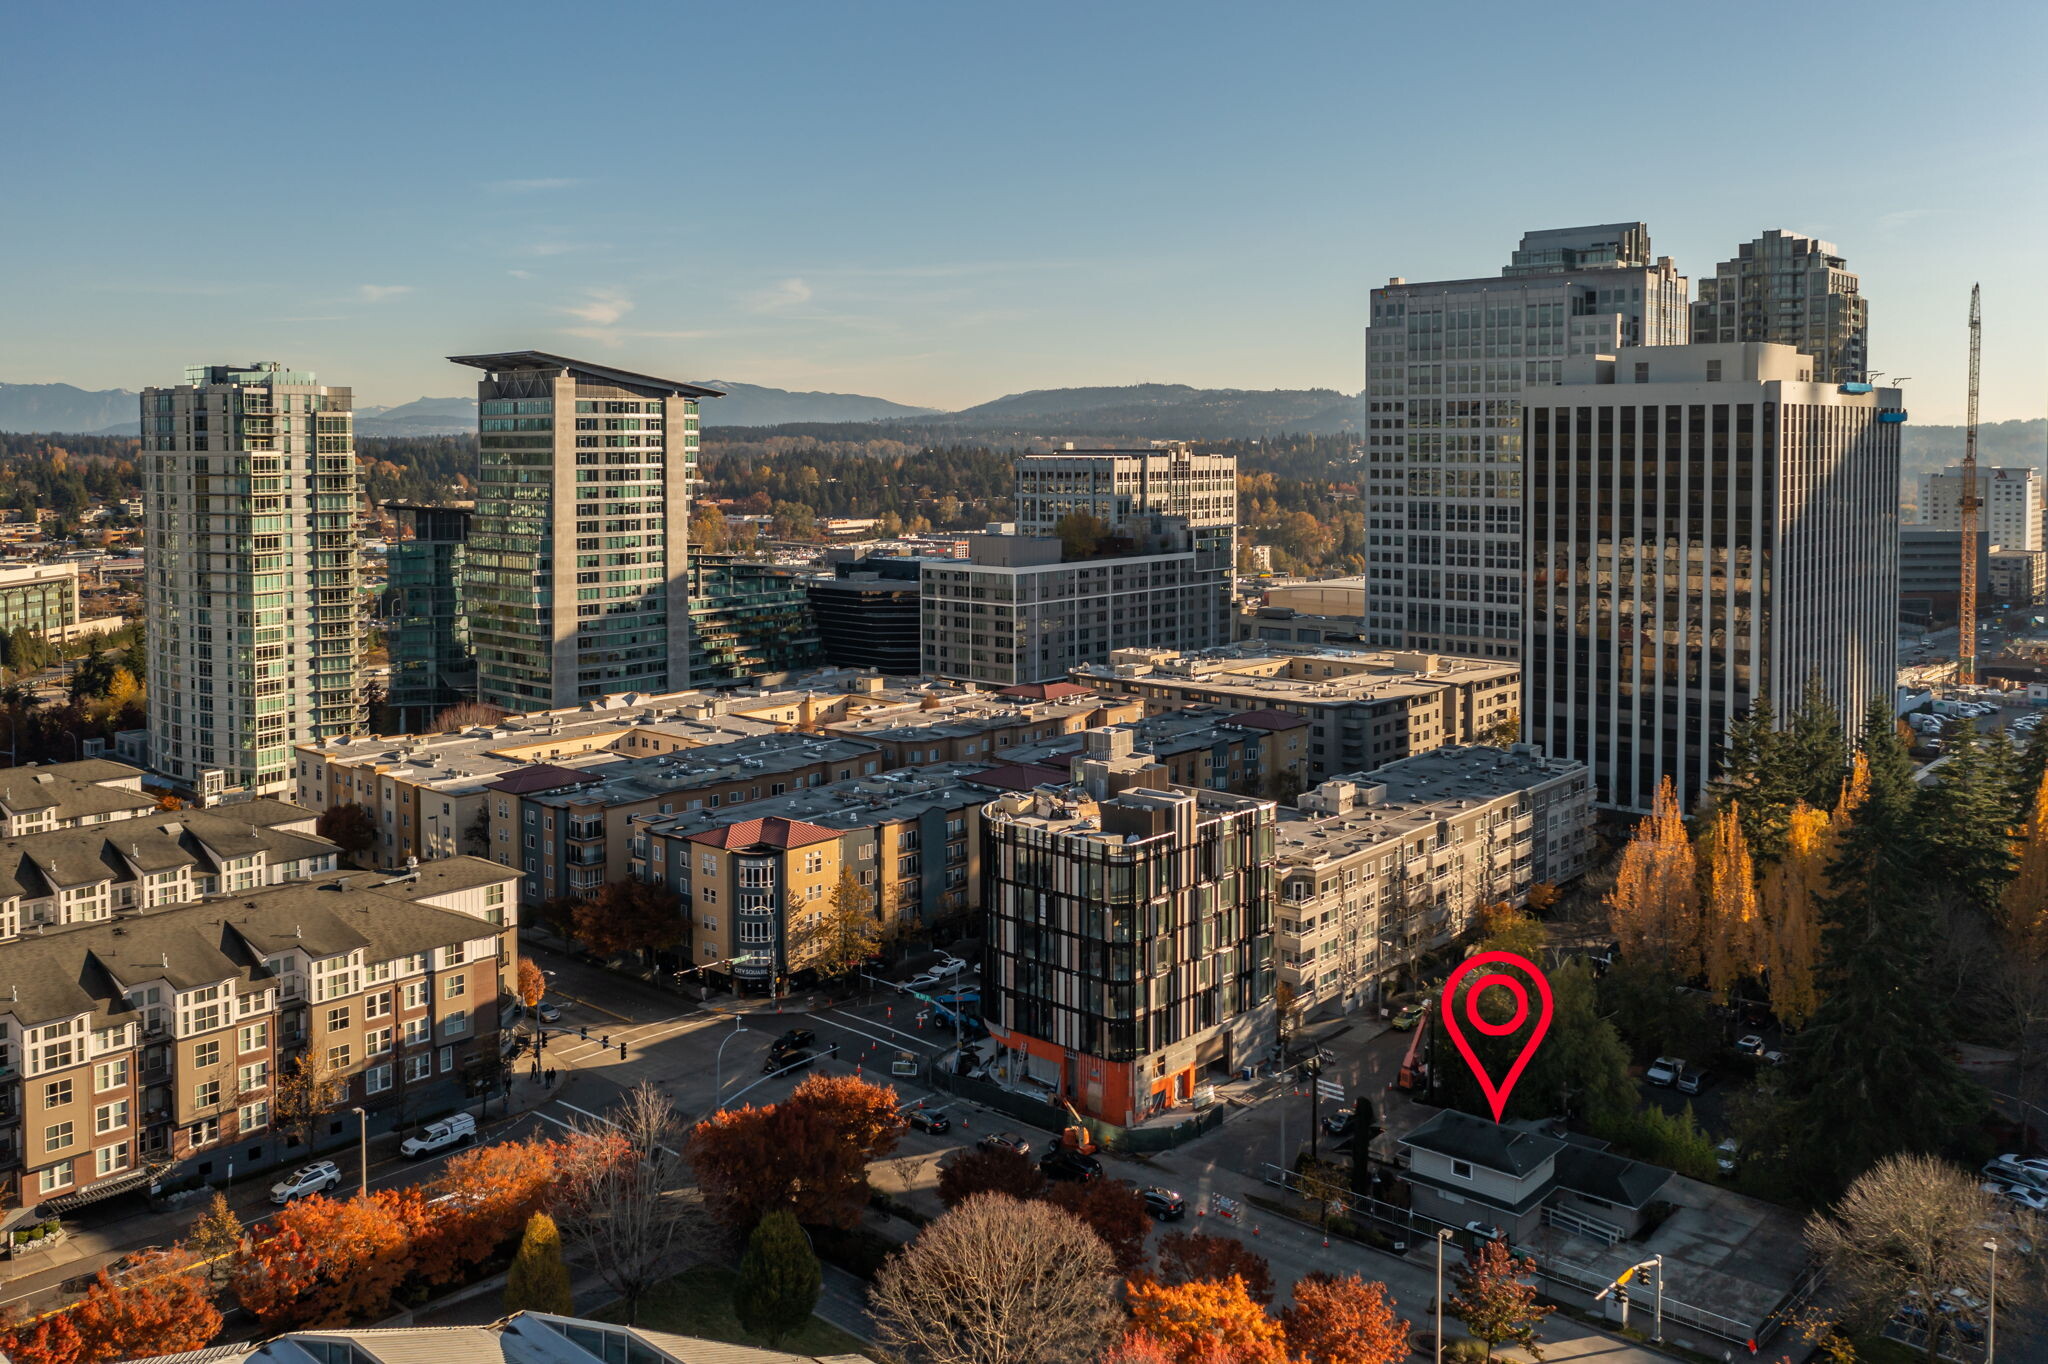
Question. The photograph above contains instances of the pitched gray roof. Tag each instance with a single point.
(1461, 1136)
(1609, 1177)
(37, 864)
(72, 789)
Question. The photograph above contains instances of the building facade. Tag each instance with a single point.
(1379, 869)
(1709, 525)
(1167, 478)
(574, 585)
(2010, 506)
(425, 628)
(1931, 574)
(42, 598)
(251, 593)
(1447, 368)
(869, 614)
(1130, 935)
(748, 618)
(1794, 291)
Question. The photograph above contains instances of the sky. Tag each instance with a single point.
(943, 203)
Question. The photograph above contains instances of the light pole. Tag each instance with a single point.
(1991, 1315)
(362, 1152)
(718, 1066)
(1443, 1236)
(1657, 1325)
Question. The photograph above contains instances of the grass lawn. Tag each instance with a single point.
(698, 1302)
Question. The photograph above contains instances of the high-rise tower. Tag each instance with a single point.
(250, 592)
(1795, 291)
(574, 581)
(1447, 368)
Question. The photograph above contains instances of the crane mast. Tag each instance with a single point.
(1966, 599)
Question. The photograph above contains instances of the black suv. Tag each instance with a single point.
(1060, 1163)
(794, 1039)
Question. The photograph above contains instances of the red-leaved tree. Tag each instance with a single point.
(1343, 1321)
(1200, 1256)
(482, 1201)
(1114, 1210)
(322, 1262)
(809, 1154)
(975, 1171)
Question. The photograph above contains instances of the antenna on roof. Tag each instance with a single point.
(166, 957)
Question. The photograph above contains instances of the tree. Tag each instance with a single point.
(538, 1281)
(93, 676)
(779, 1278)
(491, 1194)
(2023, 907)
(1911, 1228)
(996, 1281)
(1731, 934)
(841, 937)
(1493, 1302)
(1114, 1210)
(216, 1237)
(1581, 1068)
(630, 916)
(1286, 1013)
(350, 827)
(1506, 729)
(1654, 906)
(1504, 928)
(1343, 1321)
(1080, 533)
(628, 1204)
(160, 1306)
(51, 1340)
(809, 1154)
(974, 1171)
(307, 1089)
(532, 984)
(1965, 821)
(467, 715)
(1137, 1347)
(1204, 1257)
(123, 690)
(1788, 906)
(323, 1262)
(1205, 1322)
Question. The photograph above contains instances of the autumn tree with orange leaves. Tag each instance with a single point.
(1343, 1321)
(1206, 1323)
(491, 1192)
(1731, 937)
(532, 984)
(160, 1305)
(1789, 907)
(1654, 908)
(53, 1340)
(809, 1153)
(1192, 1256)
(323, 1262)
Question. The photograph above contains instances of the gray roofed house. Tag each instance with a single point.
(1463, 1168)
(59, 795)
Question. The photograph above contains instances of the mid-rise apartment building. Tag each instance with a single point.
(1251, 752)
(575, 584)
(142, 1038)
(1792, 290)
(2010, 504)
(749, 618)
(1130, 934)
(982, 725)
(1448, 364)
(42, 598)
(35, 799)
(251, 596)
(425, 627)
(1364, 707)
(1378, 869)
(1709, 525)
(1166, 478)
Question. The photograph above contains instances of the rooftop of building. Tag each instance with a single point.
(886, 797)
(1460, 1136)
(1190, 729)
(765, 755)
(506, 361)
(72, 790)
(1278, 673)
(971, 713)
(1364, 809)
(85, 968)
(41, 864)
(1132, 814)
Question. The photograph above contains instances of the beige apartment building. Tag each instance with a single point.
(1377, 869)
(36, 799)
(1364, 707)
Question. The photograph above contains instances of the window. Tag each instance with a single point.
(377, 1006)
(337, 1019)
(447, 1059)
(418, 1068)
(418, 1030)
(56, 1137)
(206, 1094)
(253, 1077)
(252, 1117)
(377, 1043)
(110, 1160)
(340, 1058)
(110, 1075)
(416, 994)
(455, 1024)
(206, 1054)
(1461, 1169)
(54, 1178)
(110, 1117)
(377, 1079)
(56, 1094)
(254, 1037)
(1713, 371)
(451, 988)
(205, 1132)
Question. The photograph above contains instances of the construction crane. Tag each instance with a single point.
(1966, 598)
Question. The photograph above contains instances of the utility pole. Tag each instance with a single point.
(1966, 599)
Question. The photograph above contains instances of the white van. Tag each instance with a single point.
(449, 1132)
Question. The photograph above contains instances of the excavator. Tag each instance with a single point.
(1076, 1137)
(1414, 1073)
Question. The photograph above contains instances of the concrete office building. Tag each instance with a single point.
(1167, 478)
(575, 581)
(1130, 934)
(1378, 869)
(2010, 504)
(1931, 574)
(254, 616)
(427, 632)
(1708, 525)
(1792, 290)
(1447, 367)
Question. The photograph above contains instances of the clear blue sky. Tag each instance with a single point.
(941, 203)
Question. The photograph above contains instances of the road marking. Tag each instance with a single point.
(912, 1038)
(578, 999)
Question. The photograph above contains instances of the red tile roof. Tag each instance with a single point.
(774, 832)
(1045, 691)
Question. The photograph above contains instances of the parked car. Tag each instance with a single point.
(1693, 1081)
(1062, 1163)
(1665, 1070)
(1750, 1045)
(547, 1013)
(928, 1121)
(1164, 1204)
(1774, 1058)
(793, 1040)
(1005, 1141)
(2016, 1170)
(1726, 1151)
(456, 1130)
(2025, 1195)
(787, 1060)
(1485, 1231)
(1338, 1123)
(1410, 1016)
(318, 1177)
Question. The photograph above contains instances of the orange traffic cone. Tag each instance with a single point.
(1255, 1229)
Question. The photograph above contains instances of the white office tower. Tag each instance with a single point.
(2010, 504)
(1707, 525)
(251, 589)
(1796, 291)
(1447, 368)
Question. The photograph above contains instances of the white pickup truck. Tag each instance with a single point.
(448, 1133)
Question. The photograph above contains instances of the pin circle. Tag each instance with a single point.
(1480, 987)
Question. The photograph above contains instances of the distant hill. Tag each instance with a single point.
(1927, 449)
(753, 405)
(1163, 412)
(420, 417)
(61, 407)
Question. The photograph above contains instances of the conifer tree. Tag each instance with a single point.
(1816, 750)
(538, 1280)
(779, 1278)
(1965, 823)
(1654, 906)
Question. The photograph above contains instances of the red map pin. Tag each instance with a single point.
(1496, 1094)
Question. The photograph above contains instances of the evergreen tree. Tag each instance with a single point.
(1872, 1072)
(2023, 908)
(538, 1280)
(1965, 821)
(779, 1278)
(2030, 768)
(1816, 751)
(1753, 771)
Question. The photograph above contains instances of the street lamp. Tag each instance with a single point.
(1443, 1236)
(718, 1071)
(362, 1152)
(1991, 1315)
